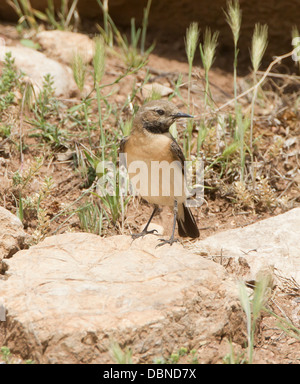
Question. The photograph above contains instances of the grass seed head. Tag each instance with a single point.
(191, 41)
(259, 45)
(79, 70)
(234, 18)
(208, 49)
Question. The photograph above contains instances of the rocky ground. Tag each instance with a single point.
(154, 301)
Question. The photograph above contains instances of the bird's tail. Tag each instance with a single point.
(187, 226)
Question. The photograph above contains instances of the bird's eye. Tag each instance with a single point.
(160, 112)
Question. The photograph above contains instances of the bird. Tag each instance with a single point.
(151, 144)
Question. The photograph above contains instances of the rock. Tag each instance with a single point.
(270, 243)
(36, 65)
(68, 298)
(162, 90)
(62, 45)
(159, 228)
(12, 236)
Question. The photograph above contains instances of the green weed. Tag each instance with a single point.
(254, 307)
(45, 108)
(120, 356)
(234, 19)
(30, 17)
(191, 41)
(67, 18)
(183, 355)
(8, 82)
(134, 52)
(259, 46)
(91, 218)
(207, 51)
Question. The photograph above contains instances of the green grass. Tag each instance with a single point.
(134, 52)
(7, 357)
(65, 18)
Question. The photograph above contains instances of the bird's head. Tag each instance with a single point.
(158, 115)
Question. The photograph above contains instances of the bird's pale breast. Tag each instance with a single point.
(154, 172)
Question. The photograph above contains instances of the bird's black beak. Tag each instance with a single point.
(180, 115)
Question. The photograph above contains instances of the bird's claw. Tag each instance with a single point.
(169, 241)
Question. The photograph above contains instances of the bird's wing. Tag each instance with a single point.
(177, 152)
(122, 144)
(122, 149)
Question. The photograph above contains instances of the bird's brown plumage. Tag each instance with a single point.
(150, 142)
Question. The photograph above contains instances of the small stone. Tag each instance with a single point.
(162, 90)
(12, 235)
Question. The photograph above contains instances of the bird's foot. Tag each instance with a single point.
(142, 234)
(170, 241)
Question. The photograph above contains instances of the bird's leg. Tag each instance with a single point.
(171, 239)
(145, 230)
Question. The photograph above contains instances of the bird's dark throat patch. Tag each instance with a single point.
(154, 127)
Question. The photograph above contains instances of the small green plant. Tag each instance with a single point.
(126, 126)
(62, 19)
(285, 325)
(234, 19)
(242, 124)
(27, 14)
(21, 181)
(99, 59)
(7, 357)
(79, 70)
(234, 358)
(190, 357)
(5, 354)
(5, 130)
(111, 195)
(106, 31)
(259, 46)
(8, 81)
(120, 356)
(191, 41)
(30, 17)
(91, 218)
(134, 51)
(99, 66)
(45, 108)
(30, 206)
(207, 51)
(253, 307)
(202, 132)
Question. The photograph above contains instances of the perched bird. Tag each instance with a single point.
(151, 143)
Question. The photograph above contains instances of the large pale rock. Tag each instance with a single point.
(269, 243)
(63, 45)
(69, 297)
(36, 65)
(12, 236)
